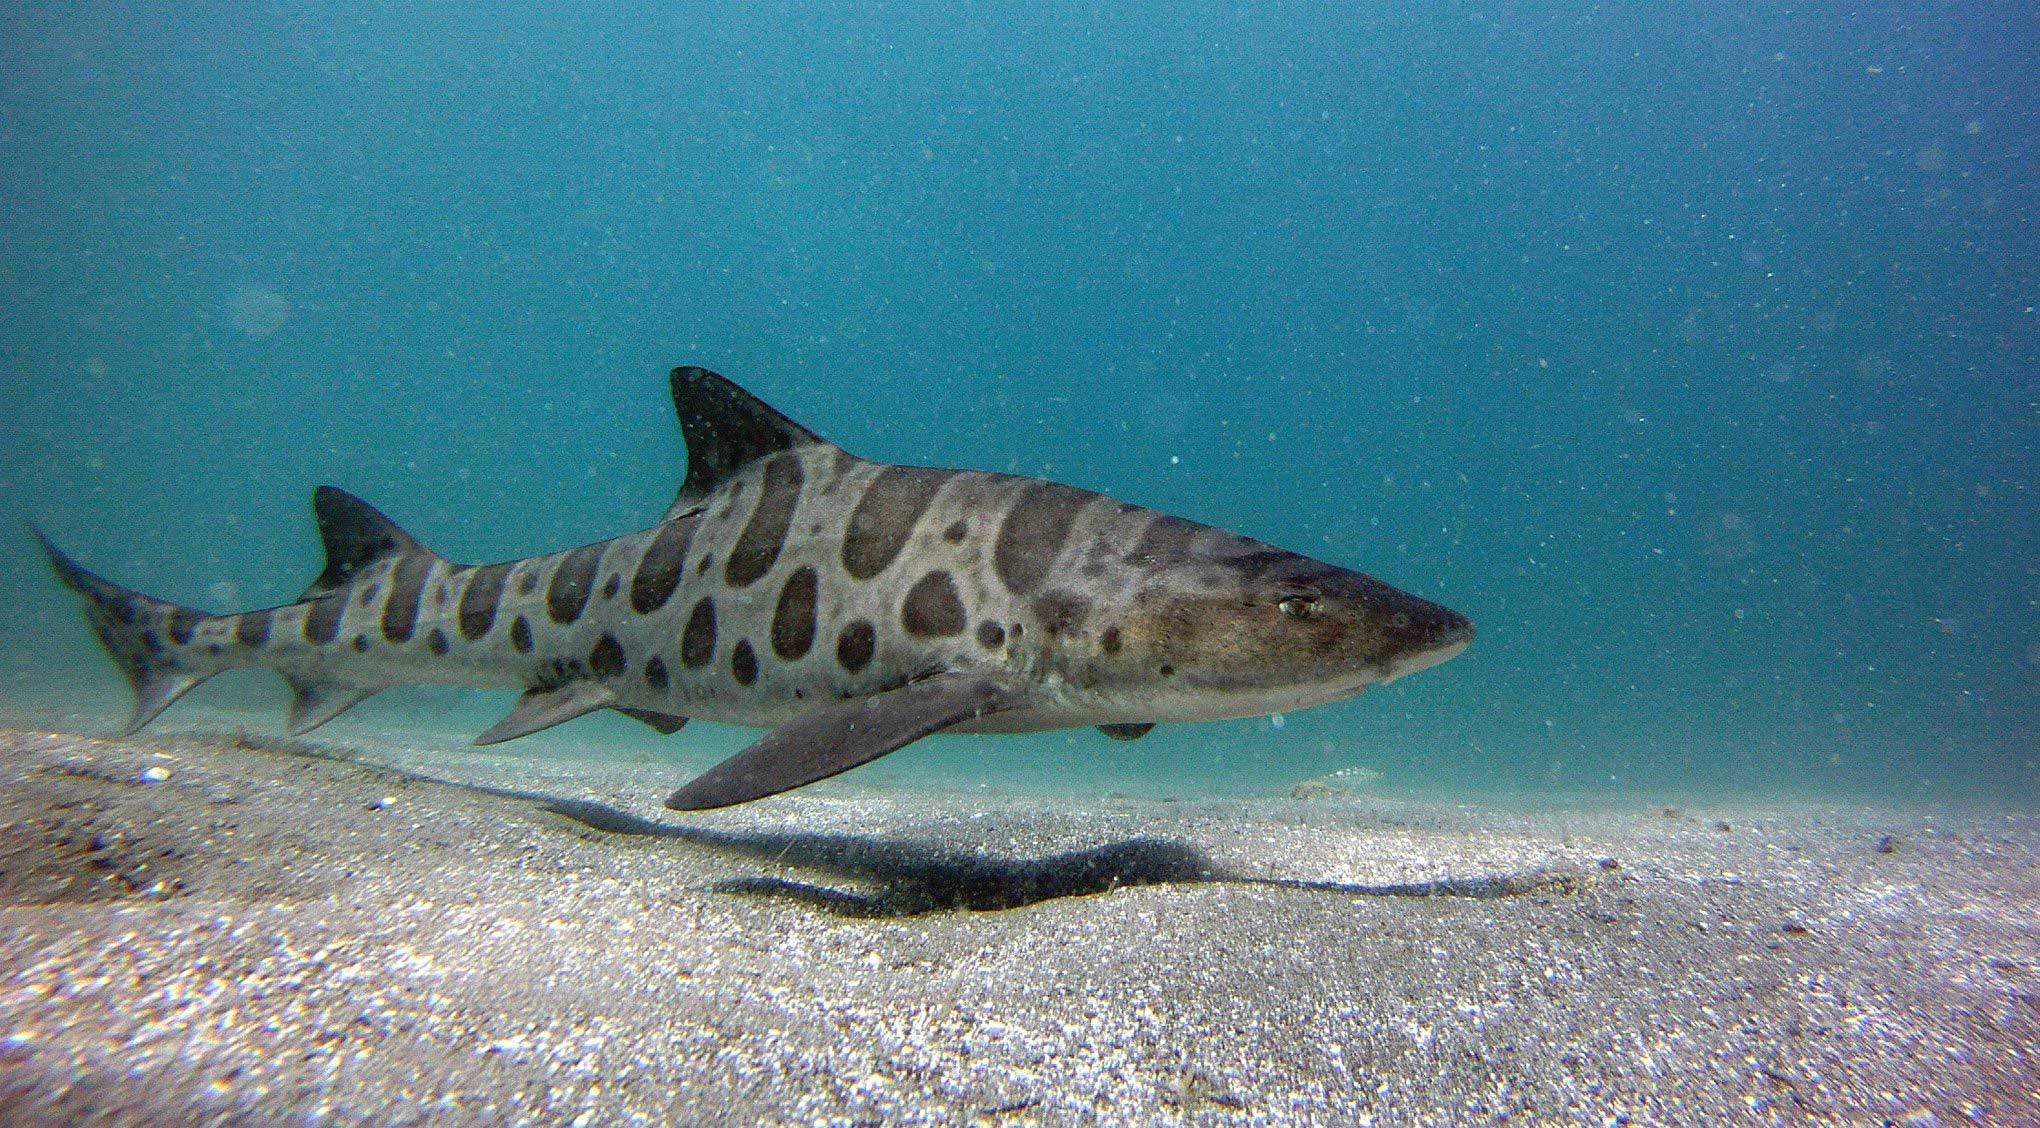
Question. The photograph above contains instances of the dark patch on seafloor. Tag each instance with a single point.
(87, 845)
(909, 878)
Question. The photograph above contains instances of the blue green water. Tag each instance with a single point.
(1691, 351)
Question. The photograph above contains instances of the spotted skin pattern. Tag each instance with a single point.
(804, 574)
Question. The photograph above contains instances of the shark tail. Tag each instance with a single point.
(155, 642)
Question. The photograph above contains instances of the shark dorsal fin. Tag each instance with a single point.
(356, 535)
(725, 428)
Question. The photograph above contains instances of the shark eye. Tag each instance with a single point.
(1298, 606)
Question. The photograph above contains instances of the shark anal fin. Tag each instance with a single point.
(666, 723)
(356, 535)
(725, 428)
(548, 706)
(1127, 731)
(837, 737)
(313, 703)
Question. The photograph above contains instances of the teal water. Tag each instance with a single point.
(1691, 352)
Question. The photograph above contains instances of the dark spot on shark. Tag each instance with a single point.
(697, 641)
(765, 533)
(743, 663)
(183, 624)
(435, 641)
(856, 645)
(361, 644)
(658, 574)
(606, 659)
(252, 629)
(1257, 562)
(1168, 671)
(478, 602)
(1109, 642)
(885, 516)
(322, 620)
(407, 584)
(1033, 534)
(559, 672)
(567, 596)
(1061, 612)
(520, 635)
(369, 591)
(527, 581)
(1166, 541)
(609, 586)
(793, 620)
(152, 642)
(707, 562)
(991, 635)
(957, 530)
(932, 608)
(655, 673)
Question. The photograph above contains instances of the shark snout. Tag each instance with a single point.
(1439, 634)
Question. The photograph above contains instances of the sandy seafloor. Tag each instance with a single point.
(296, 933)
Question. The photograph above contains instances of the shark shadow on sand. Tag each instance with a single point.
(904, 877)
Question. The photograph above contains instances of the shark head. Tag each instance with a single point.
(1249, 629)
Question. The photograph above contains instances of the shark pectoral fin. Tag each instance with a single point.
(313, 703)
(544, 708)
(842, 735)
(666, 723)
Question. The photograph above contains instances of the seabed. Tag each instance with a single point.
(237, 931)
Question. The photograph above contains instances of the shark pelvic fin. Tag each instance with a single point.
(1132, 731)
(725, 428)
(837, 737)
(313, 703)
(545, 707)
(357, 535)
(666, 723)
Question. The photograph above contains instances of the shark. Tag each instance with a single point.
(849, 606)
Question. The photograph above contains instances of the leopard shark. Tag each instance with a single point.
(850, 606)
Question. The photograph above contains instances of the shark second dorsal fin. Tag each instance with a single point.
(356, 535)
(725, 428)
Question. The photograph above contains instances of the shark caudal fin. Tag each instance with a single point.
(149, 639)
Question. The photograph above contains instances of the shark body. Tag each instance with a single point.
(850, 606)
